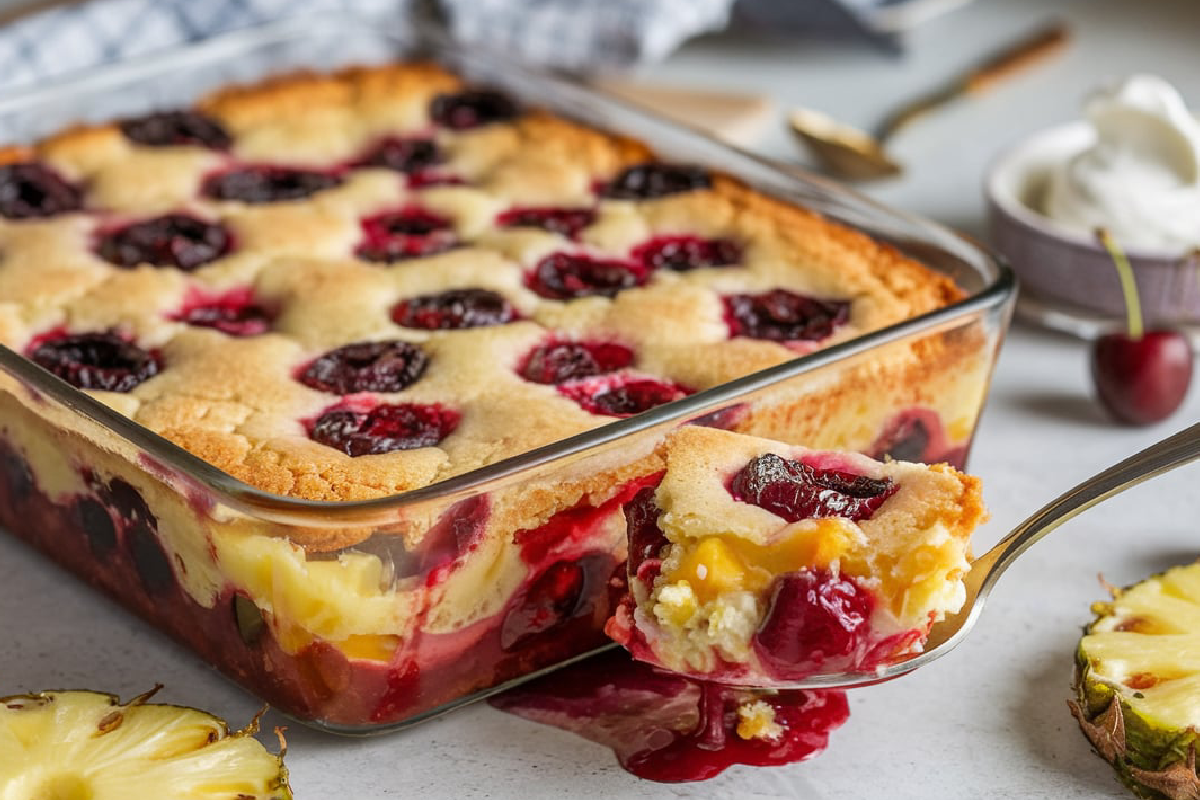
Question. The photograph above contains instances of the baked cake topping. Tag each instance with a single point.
(181, 241)
(96, 360)
(411, 232)
(385, 428)
(30, 190)
(449, 214)
(366, 367)
(558, 362)
(176, 128)
(472, 108)
(454, 309)
(784, 316)
(268, 184)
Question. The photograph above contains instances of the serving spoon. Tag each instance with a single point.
(1172, 452)
(848, 153)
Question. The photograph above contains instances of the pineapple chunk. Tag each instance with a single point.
(88, 746)
(1138, 684)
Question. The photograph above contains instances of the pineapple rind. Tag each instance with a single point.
(1153, 745)
(114, 750)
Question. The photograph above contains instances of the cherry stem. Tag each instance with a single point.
(1133, 304)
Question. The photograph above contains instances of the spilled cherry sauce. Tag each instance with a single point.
(670, 728)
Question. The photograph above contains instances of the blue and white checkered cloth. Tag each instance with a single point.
(570, 34)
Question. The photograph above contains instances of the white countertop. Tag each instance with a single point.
(990, 720)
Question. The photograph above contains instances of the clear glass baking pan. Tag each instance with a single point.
(429, 599)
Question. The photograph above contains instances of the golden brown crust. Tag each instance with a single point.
(234, 402)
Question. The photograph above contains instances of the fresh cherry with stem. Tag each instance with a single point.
(1141, 376)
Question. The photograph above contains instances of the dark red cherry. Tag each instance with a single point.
(563, 221)
(172, 240)
(97, 523)
(267, 184)
(431, 179)
(814, 617)
(654, 179)
(472, 108)
(408, 233)
(783, 316)
(551, 599)
(406, 155)
(385, 428)
(390, 366)
(566, 276)
(557, 362)
(1142, 380)
(96, 361)
(686, 253)
(234, 313)
(29, 190)
(622, 396)
(453, 310)
(15, 474)
(646, 539)
(796, 491)
(173, 128)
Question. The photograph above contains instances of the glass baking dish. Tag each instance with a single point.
(365, 616)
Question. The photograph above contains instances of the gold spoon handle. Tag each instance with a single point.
(1015, 58)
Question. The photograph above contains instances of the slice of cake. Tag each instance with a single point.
(760, 563)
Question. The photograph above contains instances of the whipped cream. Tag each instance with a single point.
(1140, 179)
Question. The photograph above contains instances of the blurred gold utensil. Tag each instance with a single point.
(848, 153)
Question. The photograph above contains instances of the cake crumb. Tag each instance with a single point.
(756, 720)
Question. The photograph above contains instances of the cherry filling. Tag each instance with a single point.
(383, 429)
(654, 179)
(551, 598)
(622, 396)
(406, 155)
(796, 491)
(267, 184)
(407, 233)
(563, 221)
(566, 276)
(173, 128)
(96, 361)
(453, 310)
(670, 728)
(646, 539)
(234, 312)
(472, 108)
(917, 434)
(783, 316)
(686, 253)
(172, 240)
(815, 617)
(29, 190)
(366, 367)
(558, 362)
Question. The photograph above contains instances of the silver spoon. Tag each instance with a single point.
(1168, 454)
(848, 153)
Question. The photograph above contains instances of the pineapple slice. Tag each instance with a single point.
(1138, 684)
(88, 746)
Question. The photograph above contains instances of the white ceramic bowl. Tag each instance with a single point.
(1061, 266)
